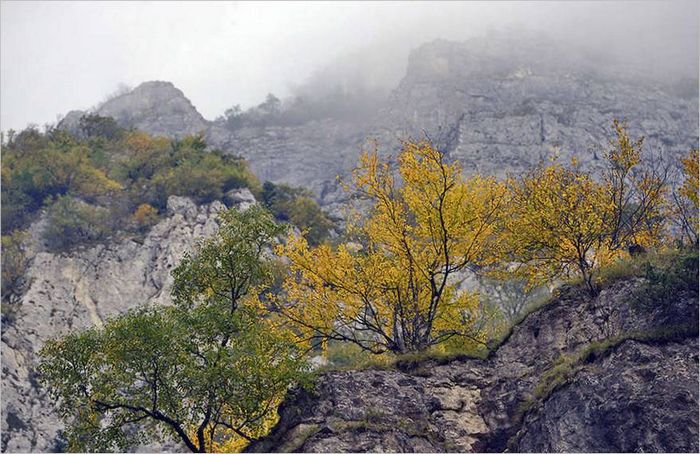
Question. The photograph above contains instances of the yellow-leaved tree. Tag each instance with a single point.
(392, 289)
(562, 221)
(636, 192)
(685, 201)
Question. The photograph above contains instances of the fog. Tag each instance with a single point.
(57, 56)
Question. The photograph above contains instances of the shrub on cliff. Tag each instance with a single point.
(71, 221)
(14, 272)
(296, 206)
(154, 168)
(562, 221)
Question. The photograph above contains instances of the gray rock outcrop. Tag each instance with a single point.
(632, 395)
(501, 103)
(156, 107)
(640, 398)
(79, 290)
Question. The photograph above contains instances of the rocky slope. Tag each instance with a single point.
(626, 395)
(156, 107)
(78, 290)
(499, 103)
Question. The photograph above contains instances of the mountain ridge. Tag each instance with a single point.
(493, 104)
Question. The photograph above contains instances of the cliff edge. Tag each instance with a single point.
(580, 374)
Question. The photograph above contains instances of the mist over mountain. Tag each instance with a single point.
(498, 103)
(222, 54)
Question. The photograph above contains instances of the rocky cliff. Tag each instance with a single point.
(503, 104)
(499, 103)
(75, 291)
(578, 375)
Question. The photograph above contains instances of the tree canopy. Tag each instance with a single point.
(391, 290)
(561, 220)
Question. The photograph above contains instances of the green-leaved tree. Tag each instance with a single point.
(208, 371)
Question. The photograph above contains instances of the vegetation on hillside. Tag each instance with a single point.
(104, 174)
(391, 286)
(562, 220)
(210, 370)
(101, 181)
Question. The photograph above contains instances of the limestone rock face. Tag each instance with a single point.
(156, 107)
(501, 104)
(79, 290)
(310, 155)
(646, 408)
(497, 104)
(633, 396)
(242, 198)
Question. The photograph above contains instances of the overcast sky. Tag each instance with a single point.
(60, 56)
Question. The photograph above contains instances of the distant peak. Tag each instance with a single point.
(161, 87)
(157, 107)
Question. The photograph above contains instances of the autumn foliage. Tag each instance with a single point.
(562, 221)
(391, 290)
(392, 286)
(685, 201)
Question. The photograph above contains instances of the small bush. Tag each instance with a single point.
(93, 125)
(669, 278)
(343, 355)
(144, 216)
(295, 205)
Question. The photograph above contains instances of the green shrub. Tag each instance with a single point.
(72, 222)
(343, 355)
(669, 278)
(295, 205)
